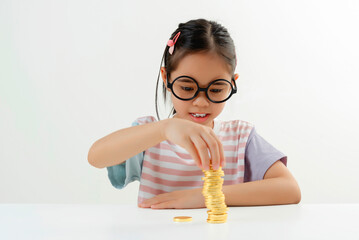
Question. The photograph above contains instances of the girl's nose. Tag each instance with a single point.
(201, 100)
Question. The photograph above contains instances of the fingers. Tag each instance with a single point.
(202, 149)
(209, 149)
(221, 151)
(159, 205)
(213, 147)
(190, 147)
(156, 200)
(162, 205)
(165, 200)
(181, 199)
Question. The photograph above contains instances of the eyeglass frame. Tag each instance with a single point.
(199, 89)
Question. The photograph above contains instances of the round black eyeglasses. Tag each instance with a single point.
(186, 88)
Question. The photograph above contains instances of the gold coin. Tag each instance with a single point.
(212, 193)
(215, 195)
(214, 200)
(213, 176)
(215, 203)
(217, 184)
(211, 221)
(217, 217)
(182, 219)
(217, 210)
(213, 182)
(213, 188)
(206, 181)
(214, 173)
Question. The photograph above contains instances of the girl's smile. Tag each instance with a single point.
(199, 117)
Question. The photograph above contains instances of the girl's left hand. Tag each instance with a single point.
(189, 198)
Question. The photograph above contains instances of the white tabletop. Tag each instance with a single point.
(71, 221)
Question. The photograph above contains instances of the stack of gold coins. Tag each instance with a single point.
(214, 197)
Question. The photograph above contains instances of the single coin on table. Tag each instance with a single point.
(182, 219)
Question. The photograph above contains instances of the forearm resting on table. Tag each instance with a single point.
(270, 191)
(119, 146)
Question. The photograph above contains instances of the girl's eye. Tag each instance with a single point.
(187, 88)
(216, 90)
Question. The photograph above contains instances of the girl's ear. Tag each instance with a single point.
(236, 76)
(164, 75)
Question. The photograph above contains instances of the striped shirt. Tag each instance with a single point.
(167, 167)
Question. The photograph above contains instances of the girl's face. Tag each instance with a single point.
(204, 67)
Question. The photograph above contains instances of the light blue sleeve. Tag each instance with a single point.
(122, 174)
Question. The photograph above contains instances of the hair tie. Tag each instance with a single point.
(171, 43)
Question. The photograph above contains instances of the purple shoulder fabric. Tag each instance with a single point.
(259, 156)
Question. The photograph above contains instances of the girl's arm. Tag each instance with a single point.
(197, 139)
(119, 146)
(277, 187)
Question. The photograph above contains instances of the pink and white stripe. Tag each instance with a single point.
(168, 167)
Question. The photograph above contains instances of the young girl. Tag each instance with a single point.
(168, 156)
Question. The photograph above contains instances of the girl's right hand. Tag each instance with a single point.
(197, 139)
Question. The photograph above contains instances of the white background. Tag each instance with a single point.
(74, 71)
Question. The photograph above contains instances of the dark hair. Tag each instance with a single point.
(199, 35)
